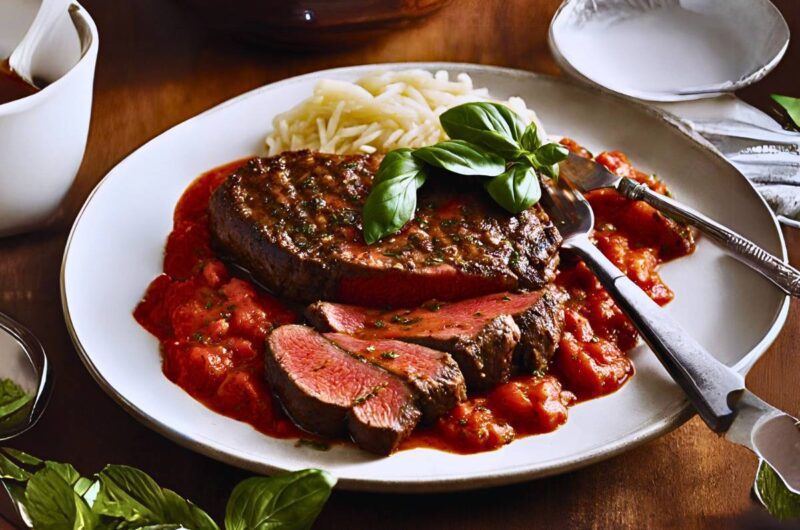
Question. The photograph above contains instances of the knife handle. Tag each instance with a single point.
(771, 267)
(711, 386)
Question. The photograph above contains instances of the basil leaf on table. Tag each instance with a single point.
(52, 504)
(774, 495)
(488, 125)
(462, 158)
(289, 502)
(791, 105)
(131, 494)
(24, 458)
(517, 189)
(9, 470)
(393, 198)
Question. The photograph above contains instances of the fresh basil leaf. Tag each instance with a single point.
(393, 200)
(11, 471)
(287, 502)
(130, 494)
(774, 495)
(792, 106)
(489, 125)
(517, 189)
(462, 158)
(399, 163)
(530, 140)
(12, 398)
(65, 471)
(24, 458)
(52, 504)
(82, 485)
(16, 490)
(550, 154)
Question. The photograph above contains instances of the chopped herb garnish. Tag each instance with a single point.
(506, 298)
(433, 306)
(312, 444)
(390, 355)
(371, 394)
(379, 323)
(399, 319)
(370, 348)
(198, 337)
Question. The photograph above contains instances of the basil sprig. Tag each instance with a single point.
(488, 140)
(55, 496)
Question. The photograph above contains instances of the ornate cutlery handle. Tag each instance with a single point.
(771, 267)
(711, 386)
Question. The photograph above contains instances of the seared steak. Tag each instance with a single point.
(483, 346)
(540, 317)
(328, 391)
(294, 221)
(483, 334)
(433, 375)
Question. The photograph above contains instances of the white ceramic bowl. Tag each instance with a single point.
(668, 50)
(43, 136)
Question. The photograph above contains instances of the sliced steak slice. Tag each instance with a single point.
(482, 344)
(433, 374)
(527, 324)
(540, 317)
(294, 221)
(328, 391)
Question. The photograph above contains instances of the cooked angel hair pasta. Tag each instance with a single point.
(379, 112)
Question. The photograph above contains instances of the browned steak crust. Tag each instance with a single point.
(294, 221)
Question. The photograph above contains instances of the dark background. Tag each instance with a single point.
(158, 67)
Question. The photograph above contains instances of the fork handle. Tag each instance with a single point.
(771, 267)
(710, 385)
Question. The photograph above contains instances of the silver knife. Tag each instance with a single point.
(587, 175)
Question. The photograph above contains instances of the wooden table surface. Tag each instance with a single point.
(158, 67)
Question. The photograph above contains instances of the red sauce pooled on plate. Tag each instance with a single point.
(212, 325)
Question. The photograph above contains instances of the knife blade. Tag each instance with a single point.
(771, 434)
(588, 175)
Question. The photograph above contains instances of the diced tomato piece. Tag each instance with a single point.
(532, 404)
(472, 426)
(592, 368)
(241, 396)
(198, 368)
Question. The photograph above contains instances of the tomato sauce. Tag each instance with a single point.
(212, 325)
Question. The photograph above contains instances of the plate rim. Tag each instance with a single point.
(506, 475)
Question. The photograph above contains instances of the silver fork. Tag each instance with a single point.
(717, 392)
(588, 175)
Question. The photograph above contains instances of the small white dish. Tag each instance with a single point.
(43, 136)
(117, 243)
(668, 50)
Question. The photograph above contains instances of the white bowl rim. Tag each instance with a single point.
(87, 52)
(647, 95)
(450, 483)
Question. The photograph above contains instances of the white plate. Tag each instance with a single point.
(116, 246)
